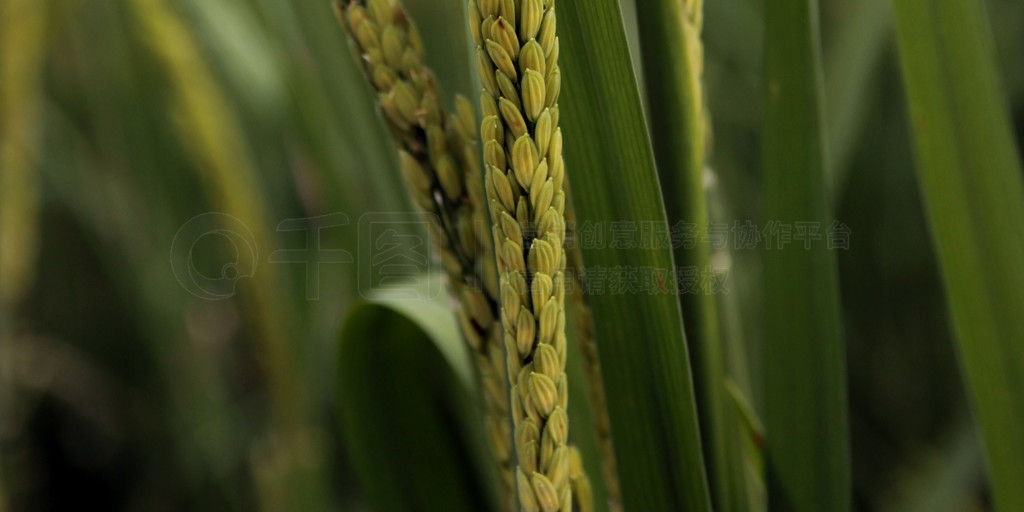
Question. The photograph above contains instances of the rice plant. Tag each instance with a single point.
(511, 255)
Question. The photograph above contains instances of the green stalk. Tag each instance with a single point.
(805, 383)
(673, 66)
(970, 177)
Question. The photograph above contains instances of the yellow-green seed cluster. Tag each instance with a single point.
(517, 57)
(441, 166)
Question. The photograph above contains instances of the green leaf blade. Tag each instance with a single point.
(804, 367)
(970, 177)
(672, 62)
(643, 349)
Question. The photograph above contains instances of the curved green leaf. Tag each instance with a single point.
(412, 431)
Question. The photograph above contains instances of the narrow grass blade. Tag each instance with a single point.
(805, 380)
(673, 67)
(970, 177)
(409, 424)
(639, 334)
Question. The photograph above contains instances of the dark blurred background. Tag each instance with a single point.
(124, 386)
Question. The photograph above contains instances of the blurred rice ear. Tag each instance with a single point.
(22, 45)
(211, 133)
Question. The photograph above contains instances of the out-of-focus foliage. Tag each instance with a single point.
(970, 175)
(123, 386)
